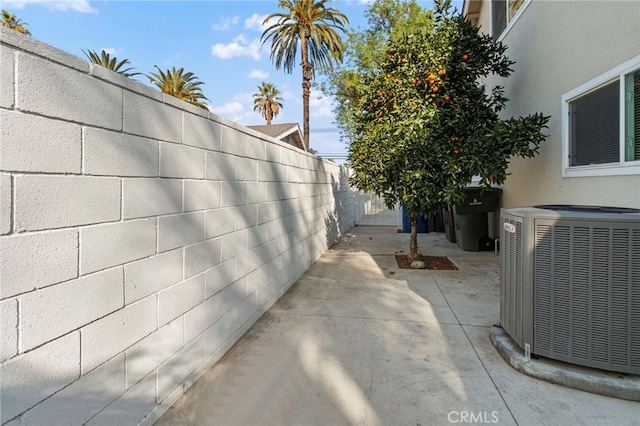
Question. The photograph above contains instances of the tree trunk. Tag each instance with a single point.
(307, 73)
(268, 114)
(414, 254)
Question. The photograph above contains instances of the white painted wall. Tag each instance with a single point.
(558, 46)
(140, 237)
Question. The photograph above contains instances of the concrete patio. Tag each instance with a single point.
(359, 341)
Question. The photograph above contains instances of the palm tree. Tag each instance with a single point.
(105, 60)
(314, 27)
(185, 86)
(267, 101)
(9, 20)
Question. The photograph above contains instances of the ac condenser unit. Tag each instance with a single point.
(570, 284)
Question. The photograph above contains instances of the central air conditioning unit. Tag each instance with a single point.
(570, 284)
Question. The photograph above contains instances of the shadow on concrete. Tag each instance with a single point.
(357, 341)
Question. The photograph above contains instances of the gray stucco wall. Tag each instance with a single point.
(558, 46)
(140, 237)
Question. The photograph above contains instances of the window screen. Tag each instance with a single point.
(502, 13)
(633, 114)
(498, 17)
(594, 131)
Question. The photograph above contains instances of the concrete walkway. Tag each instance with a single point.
(359, 341)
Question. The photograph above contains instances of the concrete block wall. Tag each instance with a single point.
(140, 237)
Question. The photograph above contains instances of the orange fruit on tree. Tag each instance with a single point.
(441, 72)
(379, 93)
(465, 57)
(434, 89)
(447, 97)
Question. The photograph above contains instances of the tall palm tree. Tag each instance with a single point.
(314, 28)
(185, 86)
(267, 101)
(9, 20)
(105, 60)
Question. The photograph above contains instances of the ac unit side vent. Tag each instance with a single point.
(511, 280)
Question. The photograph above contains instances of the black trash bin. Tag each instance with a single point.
(435, 222)
(470, 218)
(447, 222)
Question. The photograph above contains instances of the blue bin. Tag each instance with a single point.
(422, 224)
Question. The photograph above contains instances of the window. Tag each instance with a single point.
(632, 118)
(601, 128)
(503, 13)
(594, 129)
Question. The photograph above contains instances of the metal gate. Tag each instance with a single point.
(369, 209)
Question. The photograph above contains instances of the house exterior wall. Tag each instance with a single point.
(558, 46)
(140, 237)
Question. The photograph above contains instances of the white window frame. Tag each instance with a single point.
(510, 23)
(622, 167)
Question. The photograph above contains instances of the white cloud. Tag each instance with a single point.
(240, 110)
(246, 98)
(259, 74)
(319, 105)
(229, 110)
(111, 50)
(63, 5)
(290, 94)
(254, 22)
(224, 23)
(240, 46)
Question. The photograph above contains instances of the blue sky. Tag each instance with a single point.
(217, 40)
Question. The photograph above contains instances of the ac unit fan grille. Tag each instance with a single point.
(511, 281)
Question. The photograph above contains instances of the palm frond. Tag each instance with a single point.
(267, 101)
(10, 20)
(177, 83)
(105, 60)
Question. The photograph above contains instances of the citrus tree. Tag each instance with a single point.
(386, 19)
(426, 125)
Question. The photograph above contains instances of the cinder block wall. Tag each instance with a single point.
(140, 237)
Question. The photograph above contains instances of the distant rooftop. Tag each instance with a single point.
(286, 132)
